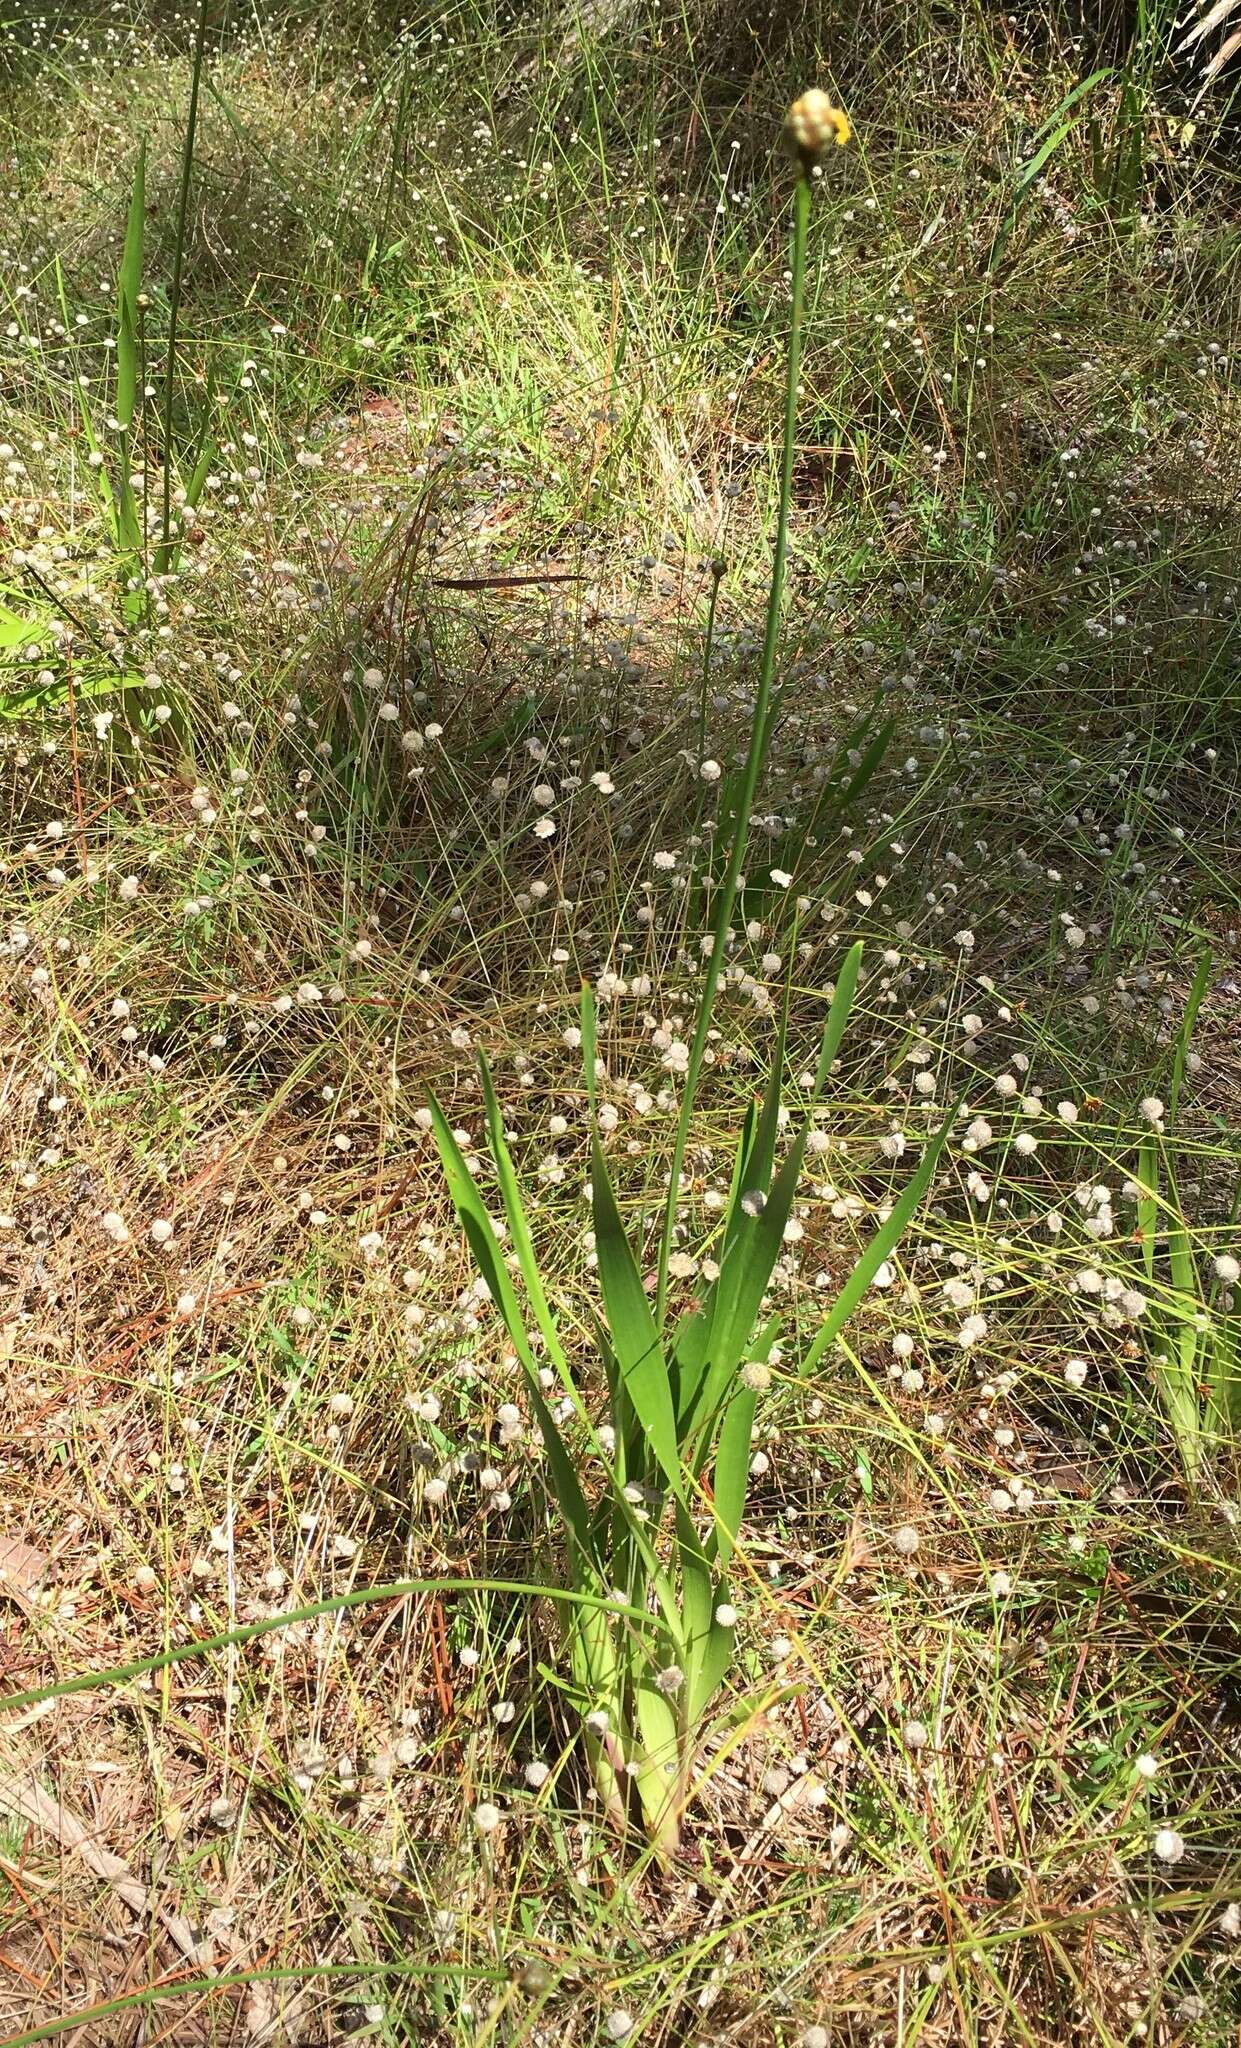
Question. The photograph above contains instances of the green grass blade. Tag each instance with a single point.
(1185, 1033)
(869, 762)
(1054, 131)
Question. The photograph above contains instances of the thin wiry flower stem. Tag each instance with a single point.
(178, 260)
(759, 737)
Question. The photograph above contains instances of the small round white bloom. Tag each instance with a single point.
(906, 1540)
(1168, 1845)
(161, 1231)
(537, 1773)
(1151, 1108)
(725, 1615)
(710, 771)
(1146, 1766)
(618, 2024)
(1227, 1269)
(815, 2036)
(917, 1735)
(486, 1817)
(1076, 1372)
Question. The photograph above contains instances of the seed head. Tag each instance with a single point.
(813, 123)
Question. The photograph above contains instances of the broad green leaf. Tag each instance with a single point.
(697, 1607)
(659, 1762)
(16, 631)
(721, 1647)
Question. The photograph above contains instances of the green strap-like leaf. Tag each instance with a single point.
(1148, 1201)
(758, 1238)
(732, 1470)
(693, 1338)
(881, 1245)
(519, 1228)
(635, 1339)
(129, 289)
(477, 1226)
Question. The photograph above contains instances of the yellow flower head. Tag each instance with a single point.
(814, 122)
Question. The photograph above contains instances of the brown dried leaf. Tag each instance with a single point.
(22, 1568)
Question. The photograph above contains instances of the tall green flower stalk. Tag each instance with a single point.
(658, 1542)
(760, 732)
(178, 264)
